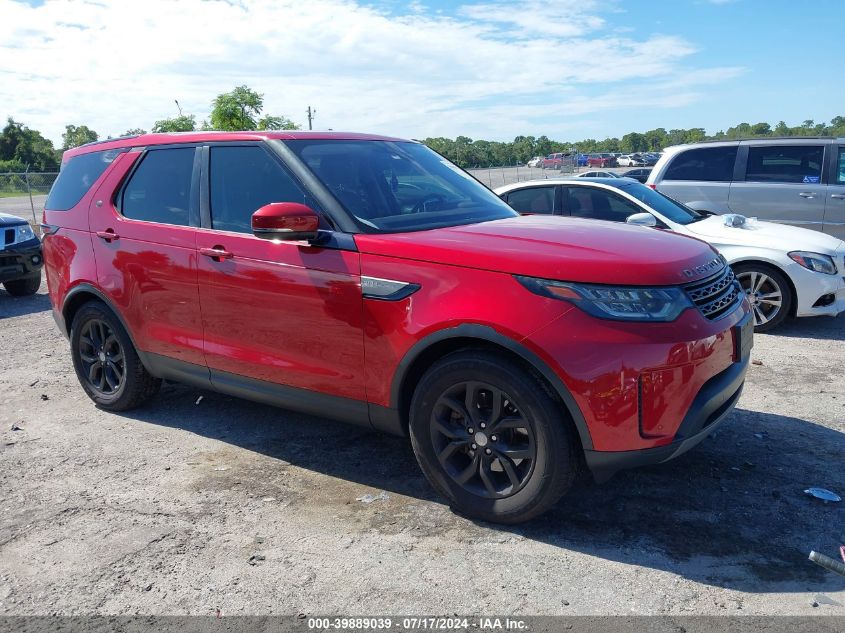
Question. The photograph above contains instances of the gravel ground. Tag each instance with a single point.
(188, 506)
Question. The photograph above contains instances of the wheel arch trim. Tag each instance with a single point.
(87, 288)
(487, 334)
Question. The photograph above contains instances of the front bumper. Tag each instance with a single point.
(811, 287)
(711, 406)
(20, 260)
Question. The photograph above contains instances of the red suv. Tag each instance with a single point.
(368, 279)
(601, 160)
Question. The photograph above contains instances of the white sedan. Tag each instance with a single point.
(785, 270)
(626, 160)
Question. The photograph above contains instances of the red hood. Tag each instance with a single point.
(565, 249)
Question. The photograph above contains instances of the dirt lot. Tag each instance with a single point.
(188, 506)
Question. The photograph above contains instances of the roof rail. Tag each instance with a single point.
(764, 138)
(108, 140)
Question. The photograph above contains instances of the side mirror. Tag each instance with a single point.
(641, 219)
(288, 221)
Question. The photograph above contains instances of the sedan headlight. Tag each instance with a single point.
(814, 261)
(23, 233)
(618, 303)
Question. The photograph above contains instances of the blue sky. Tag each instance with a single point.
(569, 69)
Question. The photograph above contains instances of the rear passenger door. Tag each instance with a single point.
(143, 234)
(781, 183)
(534, 200)
(276, 315)
(834, 214)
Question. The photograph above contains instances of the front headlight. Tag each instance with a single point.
(814, 261)
(618, 303)
(23, 233)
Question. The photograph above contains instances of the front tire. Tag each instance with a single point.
(23, 287)
(106, 362)
(491, 439)
(769, 293)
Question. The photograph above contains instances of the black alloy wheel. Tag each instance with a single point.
(482, 441)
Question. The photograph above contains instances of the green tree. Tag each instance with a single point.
(269, 122)
(74, 136)
(236, 110)
(21, 147)
(135, 131)
(181, 123)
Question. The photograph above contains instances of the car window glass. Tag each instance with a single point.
(160, 189)
(395, 186)
(598, 204)
(711, 164)
(533, 200)
(76, 177)
(242, 180)
(840, 178)
(785, 163)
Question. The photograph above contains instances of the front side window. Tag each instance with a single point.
(390, 187)
(242, 179)
(785, 163)
(76, 177)
(160, 189)
(708, 164)
(598, 204)
(533, 200)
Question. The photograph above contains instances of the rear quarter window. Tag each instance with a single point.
(708, 164)
(76, 177)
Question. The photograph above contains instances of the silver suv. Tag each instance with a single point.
(794, 180)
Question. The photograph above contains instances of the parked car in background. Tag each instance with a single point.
(368, 279)
(640, 174)
(797, 181)
(537, 161)
(581, 160)
(649, 159)
(597, 174)
(601, 160)
(20, 256)
(629, 160)
(554, 161)
(784, 271)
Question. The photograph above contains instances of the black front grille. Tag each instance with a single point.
(716, 295)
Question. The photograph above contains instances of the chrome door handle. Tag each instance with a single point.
(807, 194)
(838, 196)
(218, 253)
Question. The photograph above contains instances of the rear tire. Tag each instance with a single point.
(491, 439)
(769, 292)
(107, 365)
(23, 287)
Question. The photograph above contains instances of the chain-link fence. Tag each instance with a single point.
(504, 175)
(24, 193)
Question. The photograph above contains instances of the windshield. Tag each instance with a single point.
(664, 205)
(393, 187)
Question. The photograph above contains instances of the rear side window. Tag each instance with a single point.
(76, 177)
(785, 163)
(598, 204)
(840, 167)
(533, 200)
(244, 179)
(709, 164)
(160, 189)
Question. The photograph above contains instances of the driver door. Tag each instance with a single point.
(275, 314)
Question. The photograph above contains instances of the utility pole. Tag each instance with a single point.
(311, 115)
(178, 106)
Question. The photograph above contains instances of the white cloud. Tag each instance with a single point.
(493, 71)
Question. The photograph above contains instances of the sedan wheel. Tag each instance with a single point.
(768, 293)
